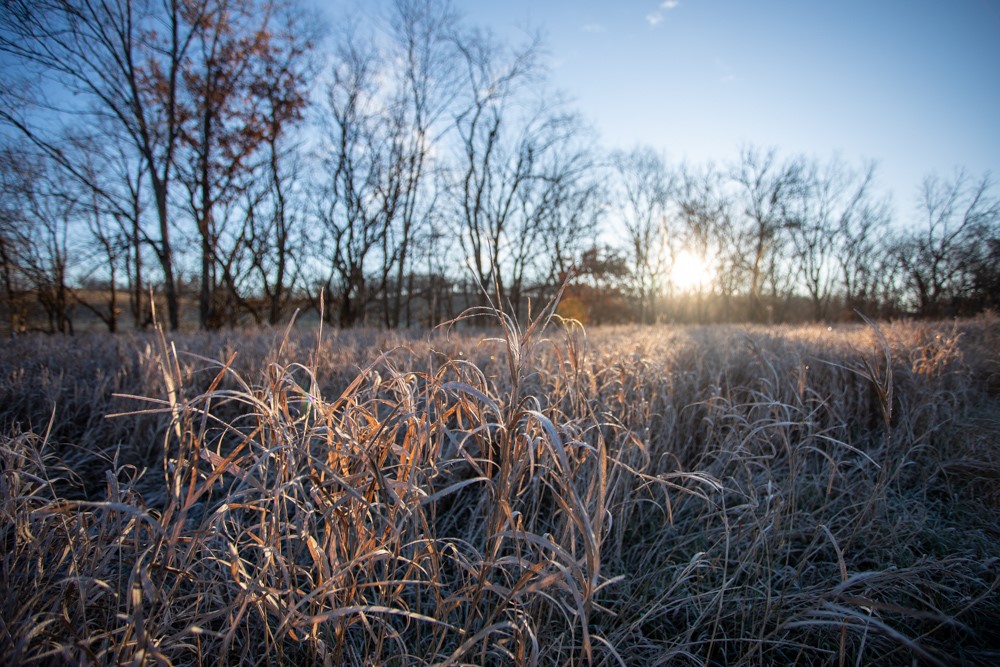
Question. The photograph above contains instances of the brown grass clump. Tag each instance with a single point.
(720, 495)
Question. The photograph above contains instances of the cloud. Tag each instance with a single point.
(654, 19)
(594, 28)
(669, 4)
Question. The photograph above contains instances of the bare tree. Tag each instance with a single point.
(126, 59)
(830, 219)
(422, 47)
(108, 178)
(707, 229)
(356, 202)
(985, 263)
(646, 186)
(113, 186)
(954, 216)
(38, 212)
(243, 85)
(577, 202)
(556, 205)
(764, 190)
(109, 250)
(500, 146)
(862, 255)
(431, 279)
(274, 237)
(12, 243)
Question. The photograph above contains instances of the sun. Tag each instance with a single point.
(690, 272)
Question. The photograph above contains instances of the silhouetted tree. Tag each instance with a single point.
(765, 189)
(577, 200)
(830, 224)
(243, 85)
(986, 273)
(359, 194)
(126, 59)
(515, 163)
(645, 187)
(954, 216)
(706, 227)
(426, 67)
(38, 211)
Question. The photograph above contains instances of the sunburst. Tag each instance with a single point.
(690, 271)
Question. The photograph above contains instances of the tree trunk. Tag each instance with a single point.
(165, 254)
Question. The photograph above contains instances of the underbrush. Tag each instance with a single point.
(537, 495)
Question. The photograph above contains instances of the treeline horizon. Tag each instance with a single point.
(241, 159)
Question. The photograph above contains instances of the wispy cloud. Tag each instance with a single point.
(656, 18)
(594, 28)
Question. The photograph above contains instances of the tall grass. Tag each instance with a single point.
(722, 495)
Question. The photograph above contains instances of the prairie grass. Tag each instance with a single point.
(516, 495)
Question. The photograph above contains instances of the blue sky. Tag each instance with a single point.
(912, 84)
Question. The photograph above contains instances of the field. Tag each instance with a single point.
(504, 495)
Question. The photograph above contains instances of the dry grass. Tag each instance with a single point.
(618, 496)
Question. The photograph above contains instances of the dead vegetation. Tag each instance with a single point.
(716, 495)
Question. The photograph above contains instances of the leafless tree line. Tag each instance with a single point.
(236, 159)
(794, 237)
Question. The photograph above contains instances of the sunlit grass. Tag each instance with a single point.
(702, 495)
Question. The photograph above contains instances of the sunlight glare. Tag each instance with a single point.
(690, 271)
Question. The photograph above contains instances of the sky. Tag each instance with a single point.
(912, 84)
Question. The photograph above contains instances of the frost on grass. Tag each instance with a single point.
(517, 495)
